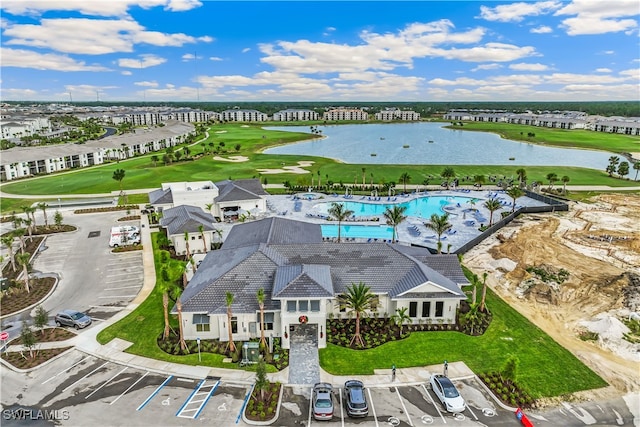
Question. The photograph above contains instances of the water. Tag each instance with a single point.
(422, 207)
(357, 143)
(361, 231)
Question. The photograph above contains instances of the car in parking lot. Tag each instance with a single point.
(355, 399)
(72, 318)
(447, 393)
(322, 401)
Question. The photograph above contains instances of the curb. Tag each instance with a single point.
(45, 363)
(498, 401)
(53, 288)
(275, 416)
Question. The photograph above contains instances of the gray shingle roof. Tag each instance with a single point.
(305, 280)
(185, 218)
(240, 189)
(273, 230)
(161, 197)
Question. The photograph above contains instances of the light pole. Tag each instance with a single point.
(199, 358)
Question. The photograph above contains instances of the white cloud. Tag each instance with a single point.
(604, 70)
(572, 78)
(147, 84)
(609, 52)
(93, 7)
(99, 36)
(44, 61)
(89, 92)
(528, 67)
(599, 17)
(487, 67)
(543, 29)
(126, 73)
(516, 12)
(246, 49)
(215, 58)
(143, 61)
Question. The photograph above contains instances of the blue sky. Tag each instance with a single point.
(189, 50)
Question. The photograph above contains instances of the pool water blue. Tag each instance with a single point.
(361, 231)
(422, 207)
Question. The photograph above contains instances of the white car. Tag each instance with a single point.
(447, 393)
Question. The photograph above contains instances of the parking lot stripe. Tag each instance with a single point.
(118, 296)
(474, 415)
(310, 406)
(404, 407)
(186, 402)
(106, 382)
(132, 385)
(95, 370)
(213, 390)
(373, 408)
(246, 399)
(121, 287)
(434, 403)
(62, 372)
(341, 406)
(148, 399)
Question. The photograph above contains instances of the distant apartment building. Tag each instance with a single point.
(17, 126)
(626, 126)
(191, 116)
(293, 115)
(391, 114)
(556, 119)
(340, 114)
(238, 115)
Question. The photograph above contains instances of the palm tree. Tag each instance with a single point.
(260, 296)
(19, 233)
(229, 301)
(636, 167)
(478, 180)
(400, 317)
(448, 173)
(177, 292)
(514, 192)
(7, 240)
(29, 223)
(204, 241)
(186, 245)
(23, 260)
(613, 165)
(405, 178)
(31, 214)
(118, 175)
(364, 176)
(551, 177)
(358, 299)
(154, 159)
(564, 180)
(440, 224)
(484, 290)
(492, 205)
(339, 213)
(43, 207)
(394, 216)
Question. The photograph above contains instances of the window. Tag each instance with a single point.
(202, 322)
(426, 308)
(268, 320)
(291, 306)
(439, 308)
(315, 305)
(303, 305)
(413, 309)
(234, 325)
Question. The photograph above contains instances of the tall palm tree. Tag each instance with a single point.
(636, 167)
(484, 291)
(339, 212)
(7, 240)
(405, 178)
(565, 179)
(492, 205)
(229, 301)
(515, 193)
(613, 165)
(118, 175)
(440, 224)
(364, 176)
(551, 177)
(204, 240)
(478, 180)
(394, 216)
(177, 292)
(522, 176)
(43, 207)
(23, 260)
(400, 317)
(19, 233)
(448, 173)
(30, 212)
(188, 250)
(358, 299)
(260, 296)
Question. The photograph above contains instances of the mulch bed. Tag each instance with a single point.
(53, 229)
(19, 299)
(40, 356)
(48, 335)
(263, 411)
(107, 209)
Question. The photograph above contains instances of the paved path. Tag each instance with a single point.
(304, 363)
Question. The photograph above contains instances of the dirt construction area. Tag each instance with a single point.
(575, 274)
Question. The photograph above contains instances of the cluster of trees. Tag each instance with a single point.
(622, 169)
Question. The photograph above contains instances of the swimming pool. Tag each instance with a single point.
(422, 207)
(361, 231)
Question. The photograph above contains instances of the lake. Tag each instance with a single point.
(431, 144)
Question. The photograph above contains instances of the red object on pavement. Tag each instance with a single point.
(523, 418)
(4, 335)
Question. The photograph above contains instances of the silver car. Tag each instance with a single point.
(447, 393)
(72, 318)
(322, 401)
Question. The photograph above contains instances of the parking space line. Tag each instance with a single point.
(62, 372)
(469, 408)
(132, 385)
(148, 399)
(118, 296)
(342, 407)
(106, 382)
(121, 287)
(213, 390)
(404, 407)
(373, 408)
(310, 406)
(90, 373)
(186, 402)
(434, 403)
(244, 404)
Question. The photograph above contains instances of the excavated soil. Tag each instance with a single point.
(575, 271)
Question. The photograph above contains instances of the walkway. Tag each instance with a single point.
(304, 363)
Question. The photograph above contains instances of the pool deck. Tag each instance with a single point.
(412, 230)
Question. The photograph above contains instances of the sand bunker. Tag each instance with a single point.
(289, 169)
(235, 159)
(221, 131)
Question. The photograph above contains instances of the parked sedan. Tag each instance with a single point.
(322, 401)
(355, 399)
(72, 318)
(447, 393)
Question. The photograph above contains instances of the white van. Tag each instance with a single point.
(124, 235)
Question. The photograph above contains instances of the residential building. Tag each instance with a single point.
(292, 115)
(340, 114)
(390, 114)
(189, 225)
(238, 115)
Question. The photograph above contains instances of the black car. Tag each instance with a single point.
(355, 399)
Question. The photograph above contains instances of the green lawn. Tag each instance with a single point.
(545, 368)
(146, 323)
